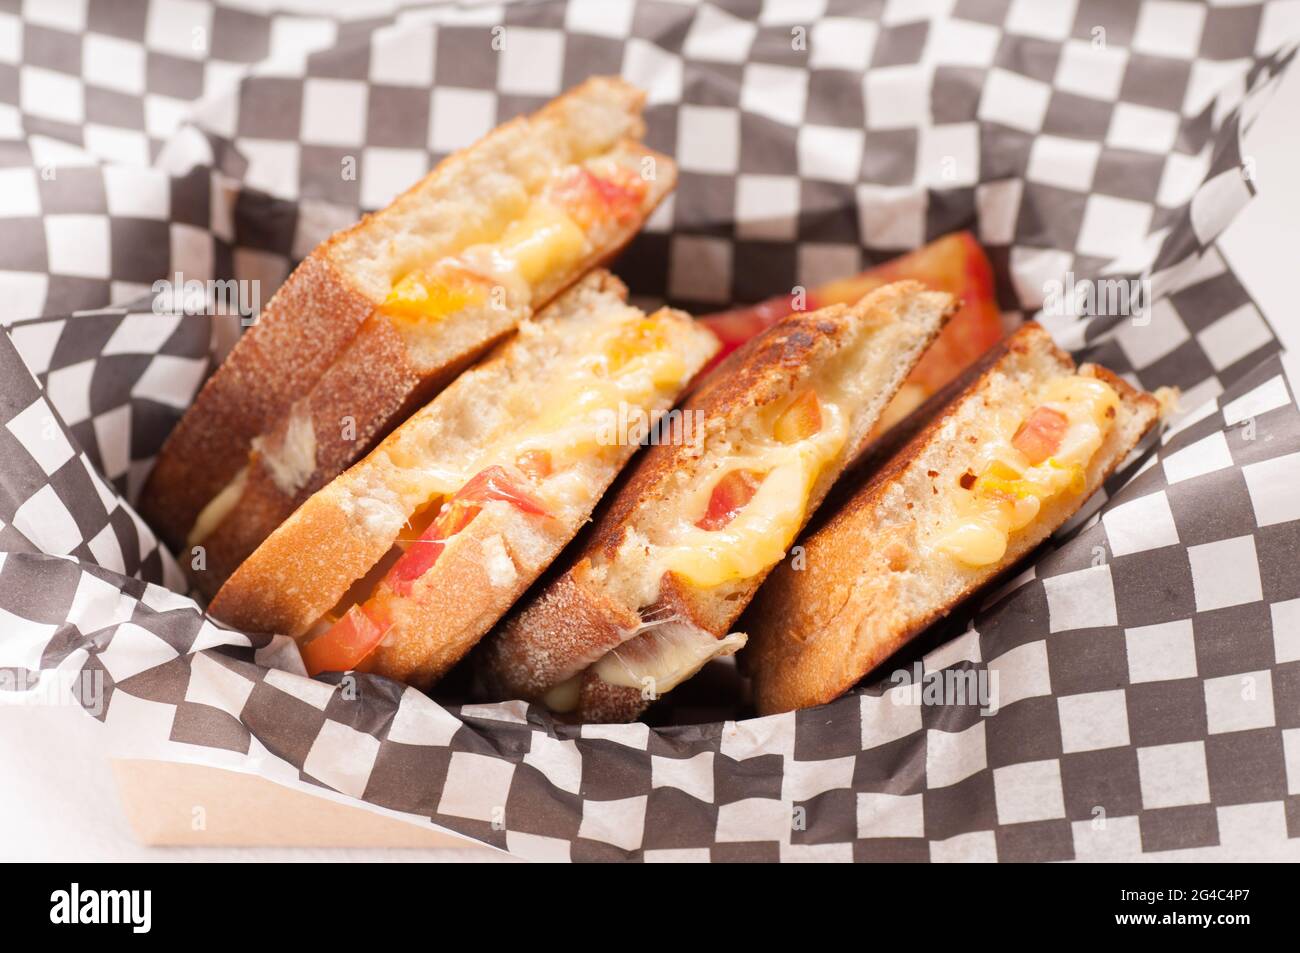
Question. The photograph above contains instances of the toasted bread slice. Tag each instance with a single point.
(672, 562)
(911, 544)
(381, 316)
(543, 413)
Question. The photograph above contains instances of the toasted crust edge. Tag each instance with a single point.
(297, 573)
(378, 387)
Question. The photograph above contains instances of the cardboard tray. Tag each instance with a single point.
(243, 810)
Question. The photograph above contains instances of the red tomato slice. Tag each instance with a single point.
(345, 644)
(729, 497)
(954, 263)
(733, 328)
(1040, 435)
(589, 197)
(800, 420)
(623, 197)
(494, 483)
(350, 640)
(535, 463)
(957, 264)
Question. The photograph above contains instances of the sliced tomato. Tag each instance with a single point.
(414, 528)
(497, 483)
(424, 552)
(954, 263)
(800, 420)
(346, 644)
(617, 193)
(494, 483)
(1040, 435)
(535, 463)
(729, 497)
(622, 194)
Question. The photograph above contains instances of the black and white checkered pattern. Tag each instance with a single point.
(1147, 672)
(55, 499)
(118, 377)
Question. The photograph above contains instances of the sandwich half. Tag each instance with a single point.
(671, 562)
(381, 316)
(404, 561)
(1003, 465)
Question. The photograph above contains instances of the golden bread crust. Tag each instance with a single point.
(308, 321)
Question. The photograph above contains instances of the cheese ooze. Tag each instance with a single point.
(663, 653)
(759, 534)
(530, 241)
(632, 360)
(1008, 493)
(654, 662)
(217, 509)
(663, 657)
(550, 236)
(634, 364)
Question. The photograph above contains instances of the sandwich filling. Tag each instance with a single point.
(525, 248)
(662, 656)
(732, 525)
(742, 521)
(575, 212)
(1025, 463)
(541, 461)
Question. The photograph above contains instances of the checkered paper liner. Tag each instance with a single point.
(1147, 663)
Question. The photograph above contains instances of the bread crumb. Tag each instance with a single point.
(500, 567)
(897, 556)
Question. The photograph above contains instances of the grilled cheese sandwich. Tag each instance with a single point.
(1008, 487)
(457, 512)
(384, 314)
(652, 593)
(1008, 461)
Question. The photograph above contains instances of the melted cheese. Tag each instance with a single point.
(564, 697)
(515, 251)
(624, 374)
(1009, 493)
(218, 509)
(656, 660)
(542, 240)
(758, 536)
(663, 657)
(290, 465)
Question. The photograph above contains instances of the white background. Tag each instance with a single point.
(58, 800)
